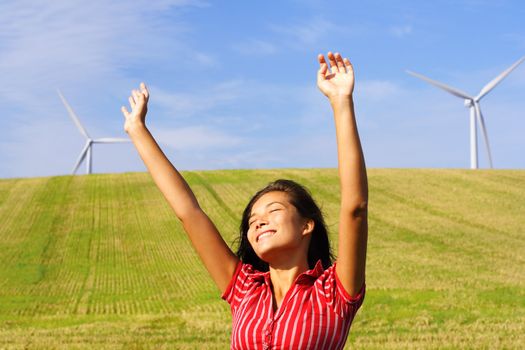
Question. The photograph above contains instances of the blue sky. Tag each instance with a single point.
(233, 84)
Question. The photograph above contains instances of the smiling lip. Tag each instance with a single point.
(262, 233)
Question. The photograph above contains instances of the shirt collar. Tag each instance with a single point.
(311, 275)
(304, 278)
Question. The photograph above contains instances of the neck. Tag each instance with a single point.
(283, 275)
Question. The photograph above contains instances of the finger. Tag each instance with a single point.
(324, 69)
(140, 95)
(333, 64)
(321, 60)
(340, 64)
(131, 102)
(137, 96)
(323, 66)
(348, 65)
(124, 111)
(133, 98)
(321, 73)
(144, 90)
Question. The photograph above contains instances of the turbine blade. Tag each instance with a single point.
(73, 115)
(81, 157)
(491, 85)
(110, 140)
(440, 85)
(485, 136)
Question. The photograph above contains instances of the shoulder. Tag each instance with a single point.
(332, 288)
(243, 279)
(357, 298)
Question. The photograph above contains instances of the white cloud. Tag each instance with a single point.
(255, 47)
(306, 33)
(52, 147)
(195, 138)
(55, 43)
(377, 89)
(204, 59)
(87, 50)
(400, 31)
(187, 104)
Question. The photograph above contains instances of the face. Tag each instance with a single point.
(277, 228)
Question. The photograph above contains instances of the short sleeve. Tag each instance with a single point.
(337, 297)
(238, 285)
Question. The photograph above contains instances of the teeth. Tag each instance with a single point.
(266, 234)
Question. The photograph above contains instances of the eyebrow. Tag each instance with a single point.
(266, 206)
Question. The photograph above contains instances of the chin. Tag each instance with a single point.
(264, 256)
(276, 250)
(267, 254)
(273, 254)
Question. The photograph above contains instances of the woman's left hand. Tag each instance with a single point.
(138, 102)
(338, 81)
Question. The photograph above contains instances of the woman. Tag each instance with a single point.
(282, 288)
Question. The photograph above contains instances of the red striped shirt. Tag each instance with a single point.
(316, 312)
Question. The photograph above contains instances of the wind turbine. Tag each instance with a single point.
(472, 103)
(86, 151)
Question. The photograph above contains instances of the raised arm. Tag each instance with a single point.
(217, 257)
(337, 83)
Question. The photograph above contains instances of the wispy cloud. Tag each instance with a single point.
(84, 48)
(51, 147)
(378, 89)
(400, 31)
(241, 110)
(301, 34)
(305, 33)
(48, 44)
(188, 104)
(196, 138)
(296, 35)
(255, 47)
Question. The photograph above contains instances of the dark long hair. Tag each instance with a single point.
(301, 199)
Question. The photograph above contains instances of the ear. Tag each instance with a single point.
(308, 227)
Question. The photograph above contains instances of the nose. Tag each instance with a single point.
(260, 223)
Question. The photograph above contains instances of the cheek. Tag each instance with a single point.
(250, 237)
(288, 221)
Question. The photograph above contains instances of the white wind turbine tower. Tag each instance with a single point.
(89, 141)
(475, 111)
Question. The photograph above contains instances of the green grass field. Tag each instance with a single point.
(100, 261)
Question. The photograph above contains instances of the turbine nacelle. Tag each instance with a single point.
(468, 103)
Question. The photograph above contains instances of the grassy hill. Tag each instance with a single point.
(100, 261)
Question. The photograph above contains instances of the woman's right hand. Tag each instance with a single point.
(138, 102)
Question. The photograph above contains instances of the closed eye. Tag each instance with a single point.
(250, 223)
